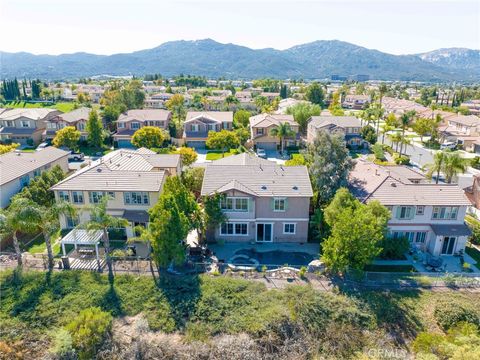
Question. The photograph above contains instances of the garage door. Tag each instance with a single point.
(267, 146)
(196, 144)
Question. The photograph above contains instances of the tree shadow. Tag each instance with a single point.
(182, 293)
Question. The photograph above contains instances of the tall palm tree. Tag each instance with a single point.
(385, 129)
(395, 138)
(101, 220)
(453, 165)
(282, 131)
(404, 121)
(48, 222)
(20, 217)
(436, 166)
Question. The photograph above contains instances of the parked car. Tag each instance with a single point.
(73, 156)
(261, 153)
(448, 145)
(42, 146)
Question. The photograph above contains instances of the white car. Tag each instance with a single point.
(448, 145)
(42, 146)
(73, 156)
(261, 153)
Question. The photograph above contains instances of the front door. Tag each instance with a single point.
(264, 232)
(448, 245)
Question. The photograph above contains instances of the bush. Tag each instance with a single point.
(62, 343)
(378, 152)
(449, 313)
(388, 149)
(393, 249)
(401, 160)
(89, 330)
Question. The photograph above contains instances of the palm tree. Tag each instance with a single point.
(404, 121)
(436, 166)
(395, 138)
(20, 216)
(48, 222)
(282, 131)
(101, 220)
(453, 165)
(385, 129)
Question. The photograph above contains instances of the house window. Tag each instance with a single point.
(25, 124)
(234, 204)
(211, 127)
(111, 195)
(10, 123)
(24, 181)
(279, 204)
(71, 222)
(420, 210)
(77, 197)
(237, 229)
(63, 195)
(81, 126)
(289, 228)
(37, 172)
(260, 131)
(136, 198)
(404, 212)
(121, 125)
(225, 125)
(194, 127)
(445, 212)
(96, 196)
(135, 125)
(420, 237)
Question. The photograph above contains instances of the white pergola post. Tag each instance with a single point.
(63, 248)
(96, 251)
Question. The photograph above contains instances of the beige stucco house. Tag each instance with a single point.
(198, 124)
(132, 179)
(262, 124)
(431, 216)
(264, 202)
(25, 125)
(17, 168)
(77, 118)
(133, 120)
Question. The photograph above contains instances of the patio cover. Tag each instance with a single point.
(140, 216)
(451, 230)
(82, 237)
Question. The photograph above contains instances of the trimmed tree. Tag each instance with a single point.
(67, 137)
(222, 140)
(302, 112)
(282, 131)
(188, 155)
(149, 137)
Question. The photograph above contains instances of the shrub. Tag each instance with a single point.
(393, 249)
(378, 152)
(302, 272)
(388, 149)
(88, 331)
(401, 160)
(449, 313)
(62, 343)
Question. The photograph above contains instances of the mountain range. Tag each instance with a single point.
(315, 60)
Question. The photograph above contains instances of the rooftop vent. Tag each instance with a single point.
(264, 187)
(295, 187)
(99, 170)
(393, 184)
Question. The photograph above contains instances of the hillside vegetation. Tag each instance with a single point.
(210, 317)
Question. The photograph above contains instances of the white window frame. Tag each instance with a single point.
(78, 194)
(64, 195)
(127, 198)
(448, 211)
(289, 224)
(120, 125)
(234, 201)
(280, 201)
(195, 128)
(420, 210)
(95, 197)
(234, 228)
(136, 123)
(25, 124)
(407, 214)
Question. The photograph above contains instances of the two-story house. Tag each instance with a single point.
(261, 126)
(132, 180)
(25, 126)
(347, 126)
(357, 102)
(462, 129)
(263, 201)
(77, 118)
(198, 124)
(133, 120)
(431, 216)
(17, 168)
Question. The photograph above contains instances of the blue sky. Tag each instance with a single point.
(112, 26)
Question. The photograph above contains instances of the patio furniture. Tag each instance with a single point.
(435, 262)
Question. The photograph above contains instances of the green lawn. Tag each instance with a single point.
(38, 246)
(62, 106)
(390, 268)
(474, 253)
(216, 154)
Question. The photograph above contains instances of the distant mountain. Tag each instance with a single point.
(315, 60)
(454, 58)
